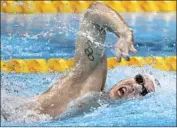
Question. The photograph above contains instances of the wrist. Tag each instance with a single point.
(127, 35)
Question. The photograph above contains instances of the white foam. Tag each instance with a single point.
(16, 111)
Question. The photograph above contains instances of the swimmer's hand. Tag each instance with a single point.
(123, 47)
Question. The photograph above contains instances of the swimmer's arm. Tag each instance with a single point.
(106, 17)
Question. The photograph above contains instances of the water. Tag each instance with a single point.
(47, 36)
(53, 36)
(155, 109)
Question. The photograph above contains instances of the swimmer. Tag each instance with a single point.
(90, 70)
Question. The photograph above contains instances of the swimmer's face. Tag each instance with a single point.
(140, 85)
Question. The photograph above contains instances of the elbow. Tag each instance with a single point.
(93, 13)
(95, 5)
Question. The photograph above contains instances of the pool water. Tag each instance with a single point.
(47, 36)
(54, 35)
(155, 109)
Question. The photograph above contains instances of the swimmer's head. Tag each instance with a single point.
(140, 85)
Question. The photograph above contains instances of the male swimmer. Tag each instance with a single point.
(90, 71)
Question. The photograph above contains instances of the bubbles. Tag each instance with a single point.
(141, 111)
(155, 109)
(18, 107)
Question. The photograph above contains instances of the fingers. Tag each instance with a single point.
(118, 55)
(118, 59)
(125, 54)
(122, 54)
(132, 49)
(127, 58)
(122, 50)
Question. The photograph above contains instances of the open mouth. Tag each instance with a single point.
(122, 91)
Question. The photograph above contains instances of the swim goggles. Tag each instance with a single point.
(140, 80)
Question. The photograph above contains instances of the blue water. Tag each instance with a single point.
(47, 36)
(155, 109)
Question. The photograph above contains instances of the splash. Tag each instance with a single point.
(162, 102)
(15, 109)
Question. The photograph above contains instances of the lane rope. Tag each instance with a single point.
(29, 7)
(63, 65)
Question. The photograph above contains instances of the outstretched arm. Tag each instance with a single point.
(105, 17)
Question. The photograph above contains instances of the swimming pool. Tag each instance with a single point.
(53, 36)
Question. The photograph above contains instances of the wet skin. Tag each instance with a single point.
(140, 85)
(90, 70)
